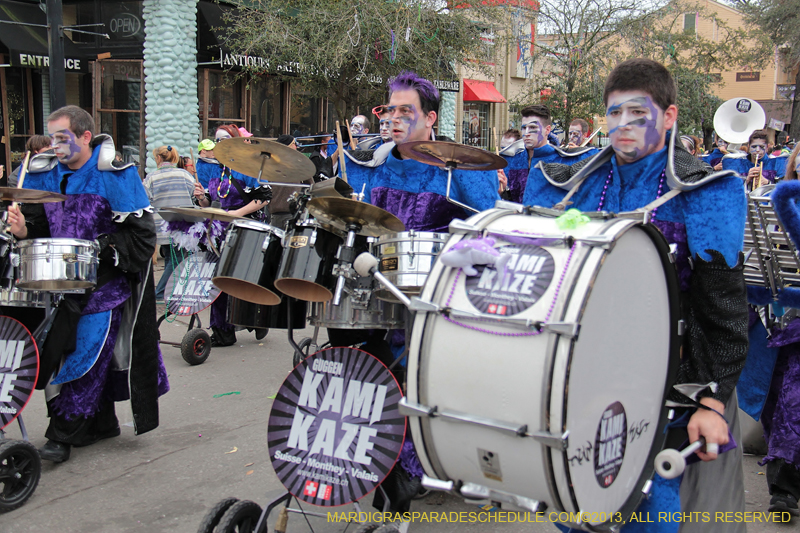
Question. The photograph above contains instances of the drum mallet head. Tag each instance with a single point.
(366, 264)
(671, 463)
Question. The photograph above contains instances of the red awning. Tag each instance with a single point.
(481, 91)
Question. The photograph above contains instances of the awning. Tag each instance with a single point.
(27, 45)
(481, 91)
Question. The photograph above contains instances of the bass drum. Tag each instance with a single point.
(571, 415)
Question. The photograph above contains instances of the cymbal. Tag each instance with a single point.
(196, 214)
(443, 154)
(340, 212)
(276, 162)
(29, 196)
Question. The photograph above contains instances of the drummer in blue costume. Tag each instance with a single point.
(706, 224)
(774, 167)
(90, 359)
(714, 158)
(523, 155)
(412, 191)
(239, 195)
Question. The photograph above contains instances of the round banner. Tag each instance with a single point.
(335, 431)
(189, 289)
(609, 444)
(19, 368)
(524, 280)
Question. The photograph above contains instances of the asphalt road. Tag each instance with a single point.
(212, 444)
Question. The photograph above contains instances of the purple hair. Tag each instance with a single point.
(428, 94)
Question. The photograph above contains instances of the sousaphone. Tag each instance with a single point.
(738, 118)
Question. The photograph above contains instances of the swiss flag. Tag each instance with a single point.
(492, 309)
(310, 489)
(324, 492)
(501, 309)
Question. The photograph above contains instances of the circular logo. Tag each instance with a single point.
(609, 444)
(520, 285)
(189, 289)
(743, 105)
(335, 431)
(19, 368)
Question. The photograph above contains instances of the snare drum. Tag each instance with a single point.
(57, 265)
(359, 309)
(242, 260)
(572, 415)
(306, 268)
(406, 258)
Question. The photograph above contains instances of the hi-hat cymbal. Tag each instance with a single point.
(275, 161)
(196, 214)
(29, 196)
(444, 154)
(342, 212)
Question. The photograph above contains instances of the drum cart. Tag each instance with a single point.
(196, 343)
(20, 464)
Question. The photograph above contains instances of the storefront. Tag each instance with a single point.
(477, 113)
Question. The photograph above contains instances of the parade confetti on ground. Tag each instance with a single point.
(225, 394)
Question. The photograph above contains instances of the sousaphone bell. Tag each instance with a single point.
(738, 118)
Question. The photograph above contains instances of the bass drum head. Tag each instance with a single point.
(19, 368)
(617, 377)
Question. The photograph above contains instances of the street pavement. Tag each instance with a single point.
(212, 444)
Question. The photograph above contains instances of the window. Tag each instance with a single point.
(690, 23)
(475, 126)
(118, 107)
(220, 97)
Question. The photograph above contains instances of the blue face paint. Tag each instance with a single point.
(534, 134)
(633, 127)
(66, 146)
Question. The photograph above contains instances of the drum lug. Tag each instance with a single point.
(459, 227)
(599, 241)
(673, 253)
(423, 306)
(436, 484)
(559, 442)
(14, 259)
(681, 327)
(647, 486)
(510, 206)
(565, 329)
(407, 408)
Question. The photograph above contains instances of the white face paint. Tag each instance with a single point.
(386, 128)
(635, 125)
(758, 148)
(575, 135)
(534, 133)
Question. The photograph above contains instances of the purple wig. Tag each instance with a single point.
(428, 94)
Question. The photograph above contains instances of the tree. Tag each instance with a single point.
(346, 51)
(695, 60)
(778, 20)
(574, 41)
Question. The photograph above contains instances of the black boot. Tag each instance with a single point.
(58, 452)
(222, 338)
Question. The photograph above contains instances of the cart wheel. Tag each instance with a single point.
(20, 470)
(242, 517)
(196, 346)
(212, 518)
(304, 345)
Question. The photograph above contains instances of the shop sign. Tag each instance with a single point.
(748, 76)
(23, 59)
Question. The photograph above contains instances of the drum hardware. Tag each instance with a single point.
(408, 408)
(334, 187)
(265, 160)
(473, 491)
(57, 264)
(510, 206)
(452, 156)
(29, 196)
(345, 254)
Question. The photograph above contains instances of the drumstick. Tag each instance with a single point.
(341, 151)
(352, 139)
(191, 155)
(590, 137)
(496, 144)
(22, 173)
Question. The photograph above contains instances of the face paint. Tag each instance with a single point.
(386, 129)
(575, 135)
(722, 144)
(533, 132)
(758, 148)
(66, 146)
(408, 123)
(634, 123)
(357, 128)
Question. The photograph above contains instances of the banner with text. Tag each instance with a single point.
(19, 368)
(189, 289)
(335, 431)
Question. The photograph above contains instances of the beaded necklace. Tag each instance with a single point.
(221, 178)
(608, 181)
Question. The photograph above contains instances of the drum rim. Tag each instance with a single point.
(240, 284)
(60, 241)
(257, 226)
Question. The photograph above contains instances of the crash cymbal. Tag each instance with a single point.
(341, 212)
(443, 154)
(276, 162)
(29, 196)
(196, 214)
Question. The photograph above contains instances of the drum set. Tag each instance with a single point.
(35, 275)
(534, 384)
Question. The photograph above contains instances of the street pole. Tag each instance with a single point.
(55, 40)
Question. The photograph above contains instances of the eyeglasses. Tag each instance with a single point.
(379, 110)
